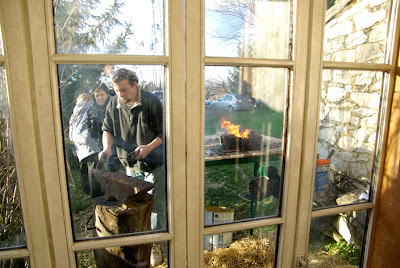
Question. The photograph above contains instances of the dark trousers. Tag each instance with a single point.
(89, 183)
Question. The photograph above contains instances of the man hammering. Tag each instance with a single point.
(134, 122)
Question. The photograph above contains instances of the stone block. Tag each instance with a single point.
(367, 148)
(357, 8)
(347, 143)
(327, 135)
(369, 122)
(355, 39)
(364, 112)
(323, 112)
(358, 170)
(361, 134)
(366, 19)
(372, 138)
(364, 79)
(374, 3)
(338, 165)
(345, 55)
(346, 156)
(343, 28)
(349, 198)
(378, 33)
(341, 226)
(369, 52)
(367, 100)
(335, 94)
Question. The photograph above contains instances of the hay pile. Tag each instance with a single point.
(249, 252)
(325, 260)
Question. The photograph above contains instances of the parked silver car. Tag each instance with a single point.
(233, 102)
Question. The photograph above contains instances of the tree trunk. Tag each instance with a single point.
(110, 219)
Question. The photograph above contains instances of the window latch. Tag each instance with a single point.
(301, 261)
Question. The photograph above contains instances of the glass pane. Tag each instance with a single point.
(105, 196)
(109, 27)
(15, 263)
(247, 248)
(1, 43)
(357, 32)
(250, 29)
(243, 142)
(155, 254)
(337, 240)
(349, 111)
(12, 228)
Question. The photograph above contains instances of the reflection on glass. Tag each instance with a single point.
(15, 263)
(250, 29)
(155, 254)
(105, 196)
(247, 248)
(1, 43)
(244, 122)
(109, 27)
(349, 110)
(357, 32)
(12, 229)
(337, 240)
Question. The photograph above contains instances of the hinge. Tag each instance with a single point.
(301, 261)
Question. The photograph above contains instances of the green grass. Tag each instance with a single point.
(224, 185)
(79, 200)
(346, 251)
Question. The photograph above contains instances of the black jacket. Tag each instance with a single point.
(138, 126)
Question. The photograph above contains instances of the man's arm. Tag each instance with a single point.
(144, 150)
(108, 140)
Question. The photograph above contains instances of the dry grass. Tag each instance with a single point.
(324, 260)
(249, 252)
(11, 231)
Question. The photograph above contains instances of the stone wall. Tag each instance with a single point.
(355, 31)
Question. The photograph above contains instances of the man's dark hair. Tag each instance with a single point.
(122, 74)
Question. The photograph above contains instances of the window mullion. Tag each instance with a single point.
(312, 40)
(19, 65)
(195, 128)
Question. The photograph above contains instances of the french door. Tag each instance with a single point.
(269, 66)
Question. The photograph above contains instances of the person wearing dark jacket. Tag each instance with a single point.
(96, 116)
(134, 122)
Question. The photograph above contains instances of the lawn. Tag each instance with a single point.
(226, 185)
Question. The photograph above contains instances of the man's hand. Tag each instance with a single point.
(108, 140)
(144, 150)
(105, 153)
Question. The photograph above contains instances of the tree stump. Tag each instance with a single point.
(111, 219)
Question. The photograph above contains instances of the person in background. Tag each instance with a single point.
(134, 121)
(86, 147)
(96, 116)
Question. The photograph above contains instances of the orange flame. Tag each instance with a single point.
(234, 129)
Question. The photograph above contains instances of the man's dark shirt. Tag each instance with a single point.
(138, 126)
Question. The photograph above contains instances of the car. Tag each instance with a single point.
(233, 102)
(208, 103)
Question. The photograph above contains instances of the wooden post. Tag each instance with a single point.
(111, 219)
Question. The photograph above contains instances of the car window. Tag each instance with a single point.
(228, 98)
(242, 97)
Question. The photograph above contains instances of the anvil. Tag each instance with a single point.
(123, 188)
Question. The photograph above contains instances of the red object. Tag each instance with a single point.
(321, 162)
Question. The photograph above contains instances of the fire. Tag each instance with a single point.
(234, 129)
